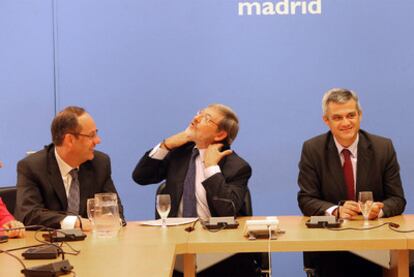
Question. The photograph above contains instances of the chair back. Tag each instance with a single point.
(8, 195)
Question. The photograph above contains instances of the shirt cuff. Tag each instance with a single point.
(68, 222)
(330, 210)
(211, 170)
(158, 153)
(381, 214)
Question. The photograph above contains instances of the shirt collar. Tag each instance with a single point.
(63, 166)
(353, 148)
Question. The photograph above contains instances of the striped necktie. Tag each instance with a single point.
(73, 198)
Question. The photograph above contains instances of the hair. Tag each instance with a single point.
(230, 122)
(66, 121)
(340, 96)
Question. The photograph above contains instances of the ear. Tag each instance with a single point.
(325, 119)
(220, 135)
(68, 139)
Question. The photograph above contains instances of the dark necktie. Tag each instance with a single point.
(73, 198)
(348, 174)
(189, 197)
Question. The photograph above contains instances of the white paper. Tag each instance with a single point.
(172, 221)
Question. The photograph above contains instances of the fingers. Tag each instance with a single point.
(349, 209)
(14, 233)
(226, 153)
(213, 155)
(375, 210)
(86, 225)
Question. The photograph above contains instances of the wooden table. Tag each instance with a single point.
(137, 251)
(298, 238)
(150, 251)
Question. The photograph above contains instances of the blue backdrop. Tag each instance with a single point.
(143, 68)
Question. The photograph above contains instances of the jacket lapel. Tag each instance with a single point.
(86, 179)
(365, 158)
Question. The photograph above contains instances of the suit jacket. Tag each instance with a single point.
(41, 197)
(230, 184)
(5, 216)
(321, 178)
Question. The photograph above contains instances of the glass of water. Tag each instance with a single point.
(90, 210)
(365, 201)
(106, 215)
(163, 207)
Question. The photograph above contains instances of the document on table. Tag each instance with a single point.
(172, 221)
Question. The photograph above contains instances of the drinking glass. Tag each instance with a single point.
(365, 201)
(163, 207)
(106, 215)
(90, 210)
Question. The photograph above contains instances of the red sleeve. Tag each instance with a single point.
(5, 216)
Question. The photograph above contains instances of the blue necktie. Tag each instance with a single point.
(73, 198)
(189, 198)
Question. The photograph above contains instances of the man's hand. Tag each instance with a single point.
(176, 140)
(212, 156)
(86, 224)
(349, 210)
(375, 210)
(14, 233)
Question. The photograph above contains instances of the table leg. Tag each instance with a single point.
(189, 265)
(399, 264)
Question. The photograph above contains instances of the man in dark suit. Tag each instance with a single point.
(335, 167)
(202, 154)
(53, 184)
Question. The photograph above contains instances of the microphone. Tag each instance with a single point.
(222, 222)
(338, 216)
(228, 201)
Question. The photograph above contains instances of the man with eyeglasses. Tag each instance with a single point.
(203, 176)
(53, 184)
(335, 166)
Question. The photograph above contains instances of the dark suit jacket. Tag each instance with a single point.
(41, 196)
(321, 179)
(230, 184)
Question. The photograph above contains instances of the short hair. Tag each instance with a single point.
(66, 121)
(340, 96)
(230, 122)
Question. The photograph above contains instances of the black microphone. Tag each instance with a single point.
(338, 216)
(215, 198)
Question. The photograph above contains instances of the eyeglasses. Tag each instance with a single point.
(92, 135)
(350, 116)
(206, 118)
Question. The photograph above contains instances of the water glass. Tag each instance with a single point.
(163, 207)
(365, 201)
(90, 210)
(106, 215)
